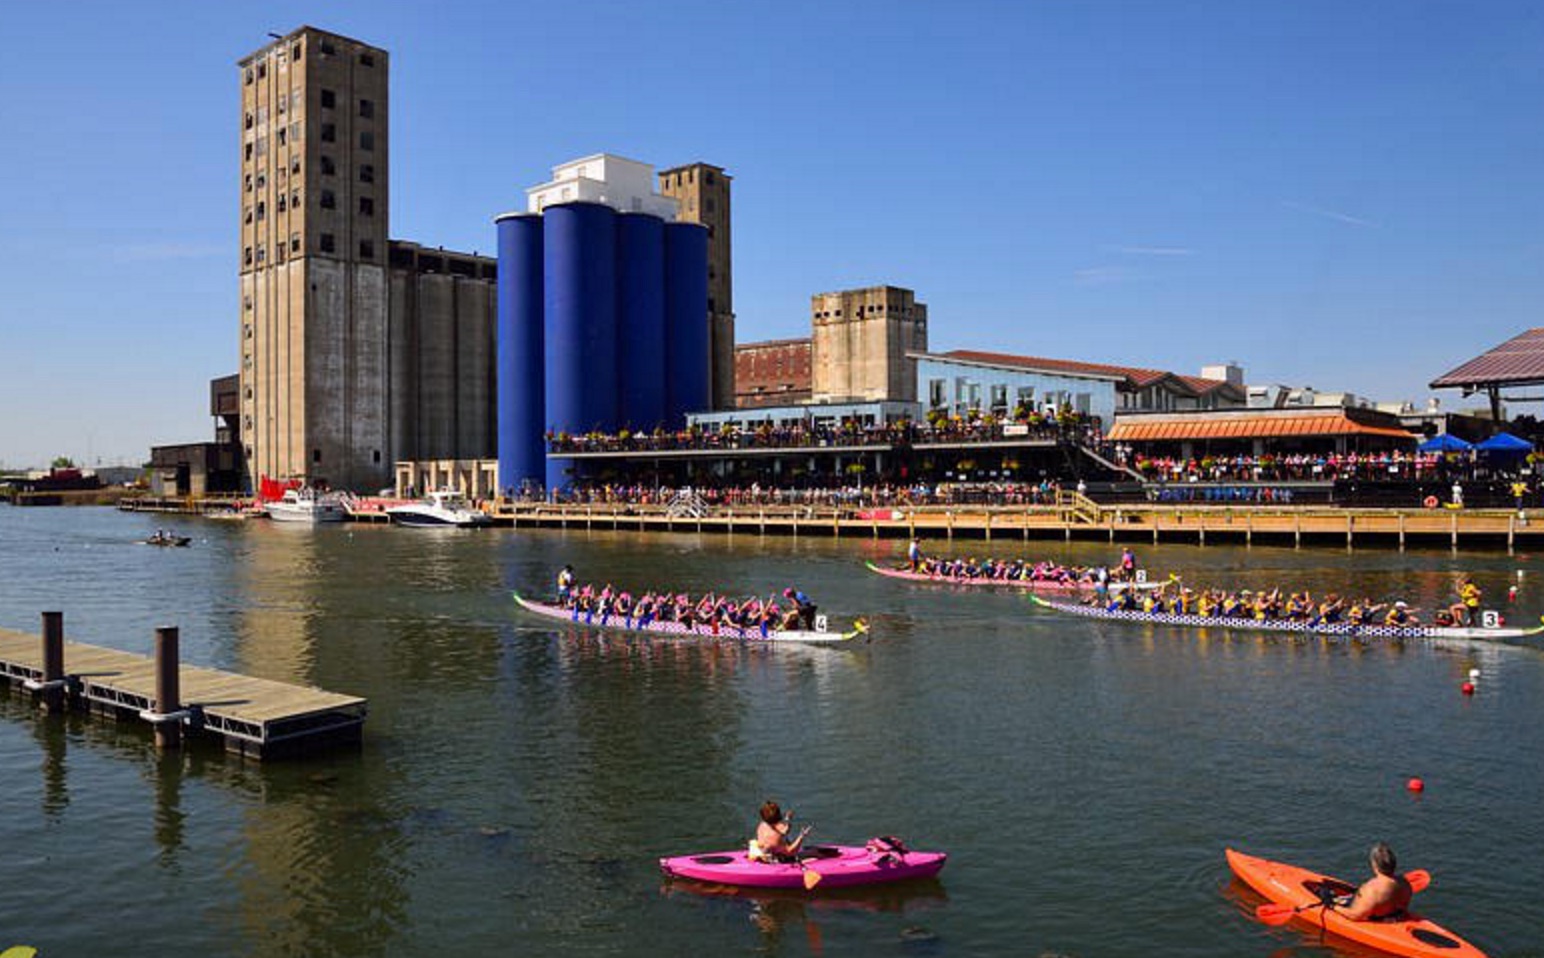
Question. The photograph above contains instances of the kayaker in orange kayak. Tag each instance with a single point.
(1385, 895)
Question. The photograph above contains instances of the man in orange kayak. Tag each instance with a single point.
(1384, 895)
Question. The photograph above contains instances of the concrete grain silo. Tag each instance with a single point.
(522, 417)
(641, 321)
(686, 320)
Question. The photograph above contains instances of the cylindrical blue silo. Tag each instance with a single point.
(579, 287)
(520, 362)
(640, 321)
(686, 321)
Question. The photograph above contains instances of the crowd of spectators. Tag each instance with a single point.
(883, 495)
(1309, 467)
(812, 434)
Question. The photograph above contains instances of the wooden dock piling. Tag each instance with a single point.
(167, 717)
(51, 689)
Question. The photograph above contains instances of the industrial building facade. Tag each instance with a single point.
(355, 351)
(702, 192)
(863, 340)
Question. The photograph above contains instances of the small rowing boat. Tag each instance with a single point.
(1513, 636)
(703, 631)
(828, 866)
(1300, 888)
(1028, 585)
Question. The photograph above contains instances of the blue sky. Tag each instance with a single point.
(1342, 195)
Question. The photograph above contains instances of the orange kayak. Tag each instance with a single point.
(1411, 935)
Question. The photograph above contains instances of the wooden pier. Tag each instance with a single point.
(1070, 517)
(258, 718)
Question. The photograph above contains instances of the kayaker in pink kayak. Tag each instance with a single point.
(1385, 895)
(771, 843)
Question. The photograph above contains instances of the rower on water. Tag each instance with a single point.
(771, 843)
(1385, 895)
(565, 584)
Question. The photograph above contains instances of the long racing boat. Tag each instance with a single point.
(1504, 634)
(704, 631)
(985, 582)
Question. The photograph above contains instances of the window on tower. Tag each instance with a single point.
(329, 200)
(329, 99)
(367, 108)
(325, 243)
(329, 133)
(367, 140)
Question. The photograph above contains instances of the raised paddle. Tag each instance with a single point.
(811, 877)
(1274, 914)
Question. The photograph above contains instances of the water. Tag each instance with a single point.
(518, 782)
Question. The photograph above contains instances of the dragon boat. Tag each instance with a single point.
(986, 582)
(707, 630)
(1494, 633)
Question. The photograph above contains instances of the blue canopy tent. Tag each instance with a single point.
(1445, 443)
(1504, 443)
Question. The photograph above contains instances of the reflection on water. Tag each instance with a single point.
(520, 778)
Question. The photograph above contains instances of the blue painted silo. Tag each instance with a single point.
(579, 289)
(686, 321)
(640, 321)
(520, 361)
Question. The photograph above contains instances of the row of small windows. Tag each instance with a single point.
(325, 242)
(328, 201)
(296, 52)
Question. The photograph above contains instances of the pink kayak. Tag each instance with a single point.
(838, 866)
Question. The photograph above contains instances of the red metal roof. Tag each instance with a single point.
(1516, 361)
(1138, 377)
(1184, 427)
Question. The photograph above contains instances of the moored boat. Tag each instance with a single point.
(444, 508)
(987, 582)
(1300, 889)
(1514, 636)
(678, 630)
(307, 505)
(823, 866)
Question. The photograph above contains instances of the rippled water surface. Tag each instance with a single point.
(518, 781)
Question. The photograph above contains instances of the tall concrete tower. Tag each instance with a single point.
(314, 285)
(703, 192)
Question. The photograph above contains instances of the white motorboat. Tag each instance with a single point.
(446, 508)
(308, 505)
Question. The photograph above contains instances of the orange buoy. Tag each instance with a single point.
(1416, 785)
(1467, 688)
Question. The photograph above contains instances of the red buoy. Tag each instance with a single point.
(1467, 688)
(1416, 785)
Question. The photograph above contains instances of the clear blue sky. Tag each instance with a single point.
(1342, 195)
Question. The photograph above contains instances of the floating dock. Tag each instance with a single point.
(257, 718)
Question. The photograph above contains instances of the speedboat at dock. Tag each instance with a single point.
(443, 509)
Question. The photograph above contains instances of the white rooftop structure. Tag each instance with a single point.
(622, 184)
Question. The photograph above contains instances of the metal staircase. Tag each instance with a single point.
(686, 505)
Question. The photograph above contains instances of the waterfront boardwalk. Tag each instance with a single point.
(1071, 517)
(258, 718)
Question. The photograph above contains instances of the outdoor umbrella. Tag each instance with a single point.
(1445, 443)
(1506, 443)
